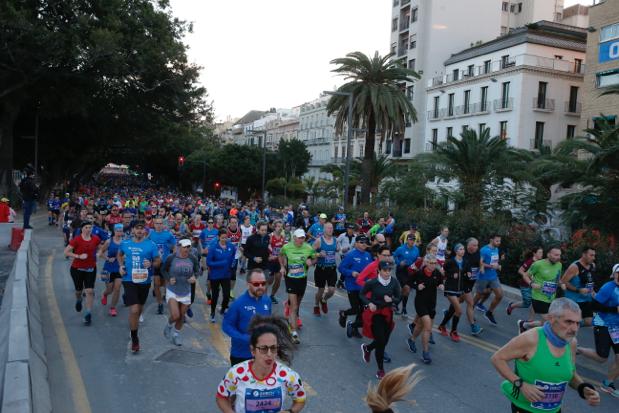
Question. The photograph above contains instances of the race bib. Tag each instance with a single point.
(589, 287)
(474, 273)
(549, 288)
(105, 275)
(614, 334)
(139, 275)
(263, 400)
(330, 258)
(296, 270)
(553, 395)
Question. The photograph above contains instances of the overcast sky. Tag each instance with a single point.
(258, 54)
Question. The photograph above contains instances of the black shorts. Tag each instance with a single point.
(135, 293)
(453, 293)
(468, 287)
(115, 276)
(603, 342)
(404, 279)
(274, 267)
(586, 309)
(83, 279)
(540, 307)
(425, 307)
(324, 276)
(296, 285)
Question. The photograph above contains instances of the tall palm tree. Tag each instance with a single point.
(379, 102)
(475, 161)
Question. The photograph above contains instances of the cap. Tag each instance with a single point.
(184, 243)
(615, 268)
(118, 227)
(362, 239)
(4, 200)
(385, 265)
(299, 233)
(139, 223)
(413, 225)
(323, 216)
(350, 226)
(410, 236)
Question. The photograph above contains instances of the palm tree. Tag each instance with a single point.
(475, 162)
(379, 103)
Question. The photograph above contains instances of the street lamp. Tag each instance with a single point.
(264, 155)
(348, 139)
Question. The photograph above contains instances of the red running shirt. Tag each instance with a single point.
(81, 246)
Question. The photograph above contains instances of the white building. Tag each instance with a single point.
(317, 131)
(424, 33)
(524, 86)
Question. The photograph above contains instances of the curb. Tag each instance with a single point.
(24, 381)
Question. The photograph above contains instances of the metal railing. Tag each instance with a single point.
(544, 105)
(502, 105)
(436, 114)
(538, 143)
(573, 108)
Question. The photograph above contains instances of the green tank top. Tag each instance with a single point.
(546, 371)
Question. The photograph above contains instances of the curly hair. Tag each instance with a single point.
(261, 324)
(392, 388)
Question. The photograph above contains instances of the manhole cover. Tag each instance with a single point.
(186, 358)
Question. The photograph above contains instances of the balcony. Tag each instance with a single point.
(404, 23)
(436, 114)
(404, 2)
(573, 108)
(402, 51)
(464, 110)
(543, 105)
(535, 143)
(429, 147)
(503, 105)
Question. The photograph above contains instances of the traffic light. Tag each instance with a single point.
(181, 161)
(217, 185)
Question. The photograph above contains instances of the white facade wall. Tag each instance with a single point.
(317, 131)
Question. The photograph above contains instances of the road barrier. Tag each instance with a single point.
(24, 383)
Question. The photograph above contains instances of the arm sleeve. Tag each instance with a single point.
(213, 262)
(397, 293)
(363, 275)
(229, 325)
(345, 266)
(363, 295)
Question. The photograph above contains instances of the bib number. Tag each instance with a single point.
(139, 275)
(296, 271)
(549, 288)
(263, 400)
(553, 395)
(589, 287)
(613, 332)
(474, 273)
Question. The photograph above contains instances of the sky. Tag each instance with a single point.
(258, 54)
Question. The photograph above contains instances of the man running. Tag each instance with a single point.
(165, 242)
(405, 256)
(578, 280)
(317, 229)
(488, 277)
(277, 240)
(325, 273)
(137, 258)
(234, 235)
(339, 220)
(111, 271)
(544, 363)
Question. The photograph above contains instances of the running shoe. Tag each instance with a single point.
(299, 322)
(113, 312)
(295, 338)
(135, 347)
(609, 387)
(443, 331)
(176, 340)
(88, 319)
(141, 318)
(425, 356)
(342, 319)
(490, 317)
(78, 306)
(349, 329)
(386, 358)
(324, 307)
(481, 308)
(212, 317)
(404, 314)
(317, 311)
(286, 309)
(412, 347)
(189, 312)
(365, 353)
(521, 328)
(160, 308)
(431, 340)
(509, 308)
(476, 330)
(167, 331)
(380, 374)
(274, 300)
(454, 336)
(104, 300)
(411, 328)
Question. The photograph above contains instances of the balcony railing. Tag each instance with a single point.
(429, 147)
(404, 2)
(402, 51)
(404, 23)
(436, 114)
(502, 105)
(537, 143)
(573, 108)
(543, 105)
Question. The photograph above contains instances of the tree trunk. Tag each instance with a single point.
(9, 111)
(368, 160)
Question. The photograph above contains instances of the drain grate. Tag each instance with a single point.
(187, 358)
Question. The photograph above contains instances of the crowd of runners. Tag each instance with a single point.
(149, 238)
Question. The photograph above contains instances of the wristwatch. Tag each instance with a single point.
(518, 383)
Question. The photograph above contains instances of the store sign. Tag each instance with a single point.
(609, 51)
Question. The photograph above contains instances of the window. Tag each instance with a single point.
(608, 79)
(558, 17)
(541, 95)
(434, 137)
(455, 74)
(505, 62)
(413, 43)
(505, 6)
(450, 131)
(394, 24)
(573, 102)
(539, 135)
(519, 7)
(503, 129)
(578, 66)
(609, 32)
(504, 95)
(388, 147)
(410, 92)
(482, 128)
(343, 152)
(450, 107)
(483, 107)
(411, 64)
(407, 145)
(487, 66)
(571, 131)
(470, 70)
(512, 8)
(437, 100)
(361, 151)
(336, 151)
(395, 2)
(558, 57)
(467, 101)
(414, 14)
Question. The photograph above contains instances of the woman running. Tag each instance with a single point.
(220, 259)
(535, 254)
(113, 279)
(384, 292)
(454, 286)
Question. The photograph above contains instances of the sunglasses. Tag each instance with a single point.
(385, 255)
(267, 349)
(258, 283)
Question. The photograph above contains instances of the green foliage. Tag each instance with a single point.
(293, 157)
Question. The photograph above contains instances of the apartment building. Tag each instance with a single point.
(424, 34)
(525, 87)
(602, 64)
(285, 128)
(317, 131)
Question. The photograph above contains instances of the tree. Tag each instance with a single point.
(407, 187)
(334, 188)
(379, 103)
(294, 157)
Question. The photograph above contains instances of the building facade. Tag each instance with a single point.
(285, 128)
(317, 131)
(602, 64)
(424, 33)
(525, 87)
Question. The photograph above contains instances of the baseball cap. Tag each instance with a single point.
(350, 226)
(362, 239)
(615, 269)
(323, 216)
(410, 236)
(385, 265)
(118, 227)
(4, 200)
(299, 233)
(184, 243)
(413, 225)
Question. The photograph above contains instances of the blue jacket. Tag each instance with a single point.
(237, 319)
(355, 260)
(404, 253)
(219, 260)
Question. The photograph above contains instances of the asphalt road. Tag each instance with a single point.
(92, 369)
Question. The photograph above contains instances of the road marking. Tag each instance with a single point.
(78, 392)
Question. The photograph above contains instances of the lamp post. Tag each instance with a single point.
(348, 139)
(264, 156)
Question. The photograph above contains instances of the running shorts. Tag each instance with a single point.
(540, 307)
(403, 278)
(83, 279)
(274, 267)
(183, 299)
(135, 293)
(324, 276)
(296, 285)
(482, 285)
(425, 307)
(603, 342)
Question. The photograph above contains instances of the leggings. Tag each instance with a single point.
(225, 286)
(356, 308)
(381, 332)
(193, 292)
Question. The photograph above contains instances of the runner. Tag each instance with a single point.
(578, 280)
(544, 363)
(220, 261)
(316, 230)
(207, 236)
(488, 277)
(411, 230)
(543, 276)
(180, 270)
(535, 254)
(196, 227)
(256, 249)
(234, 236)
(165, 242)
(246, 230)
(378, 228)
(441, 243)
(405, 256)
(384, 291)
(276, 242)
(394, 387)
(261, 384)
(111, 271)
(325, 273)
(137, 258)
(427, 281)
(83, 250)
(606, 330)
(295, 259)
(455, 270)
(339, 221)
(365, 223)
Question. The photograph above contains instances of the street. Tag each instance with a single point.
(93, 370)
